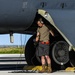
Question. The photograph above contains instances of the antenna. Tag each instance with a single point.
(11, 37)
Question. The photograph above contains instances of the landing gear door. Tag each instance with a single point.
(61, 22)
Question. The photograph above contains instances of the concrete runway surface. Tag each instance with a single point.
(54, 73)
(5, 58)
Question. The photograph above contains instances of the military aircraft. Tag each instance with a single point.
(20, 16)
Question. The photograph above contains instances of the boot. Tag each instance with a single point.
(49, 69)
(43, 69)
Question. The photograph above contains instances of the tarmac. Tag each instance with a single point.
(29, 72)
(19, 72)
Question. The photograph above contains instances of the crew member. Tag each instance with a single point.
(42, 37)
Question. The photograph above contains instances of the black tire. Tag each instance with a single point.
(60, 52)
(30, 52)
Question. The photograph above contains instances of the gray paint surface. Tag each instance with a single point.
(65, 21)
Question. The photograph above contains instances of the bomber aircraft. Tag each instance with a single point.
(20, 16)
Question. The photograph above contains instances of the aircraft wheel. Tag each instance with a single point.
(60, 52)
(30, 52)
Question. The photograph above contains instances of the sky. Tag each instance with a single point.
(19, 39)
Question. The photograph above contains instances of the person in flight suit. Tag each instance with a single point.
(42, 37)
